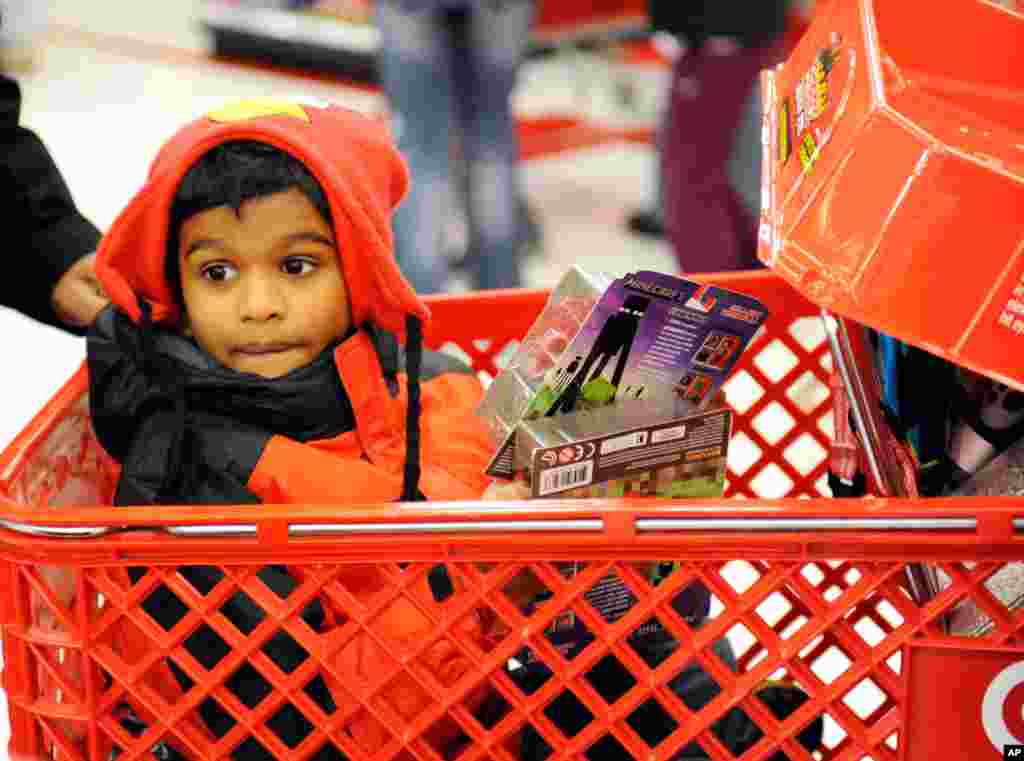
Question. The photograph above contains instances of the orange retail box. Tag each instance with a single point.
(894, 174)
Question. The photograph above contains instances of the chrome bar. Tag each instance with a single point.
(456, 527)
(55, 532)
(568, 525)
(241, 529)
(806, 524)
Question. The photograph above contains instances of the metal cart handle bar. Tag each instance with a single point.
(595, 525)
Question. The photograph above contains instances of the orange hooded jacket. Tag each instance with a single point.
(364, 178)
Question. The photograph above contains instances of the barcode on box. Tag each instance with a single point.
(566, 477)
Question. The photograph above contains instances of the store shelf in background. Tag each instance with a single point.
(335, 47)
(549, 135)
(618, 74)
(293, 39)
(566, 20)
(321, 42)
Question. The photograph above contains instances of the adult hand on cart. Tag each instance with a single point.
(78, 296)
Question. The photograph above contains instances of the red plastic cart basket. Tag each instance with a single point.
(809, 590)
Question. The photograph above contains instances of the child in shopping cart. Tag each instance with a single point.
(250, 356)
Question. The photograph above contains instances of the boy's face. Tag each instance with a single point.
(263, 290)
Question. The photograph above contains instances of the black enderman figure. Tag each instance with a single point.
(615, 338)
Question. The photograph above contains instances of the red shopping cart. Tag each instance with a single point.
(809, 591)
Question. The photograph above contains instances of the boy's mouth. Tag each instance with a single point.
(261, 349)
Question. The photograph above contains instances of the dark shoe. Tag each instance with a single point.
(135, 727)
(782, 699)
(532, 233)
(646, 223)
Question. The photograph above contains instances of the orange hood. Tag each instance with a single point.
(350, 155)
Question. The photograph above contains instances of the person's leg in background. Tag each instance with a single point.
(708, 224)
(531, 232)
(651, 219)
(744, 166)
(491, 50)
(416, 74)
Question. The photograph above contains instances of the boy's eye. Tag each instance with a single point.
(298, 266)
(219, 272)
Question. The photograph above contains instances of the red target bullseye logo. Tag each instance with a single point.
(1002, 708)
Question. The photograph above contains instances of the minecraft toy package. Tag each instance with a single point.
(650, 336)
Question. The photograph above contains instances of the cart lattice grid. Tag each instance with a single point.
(806, 589)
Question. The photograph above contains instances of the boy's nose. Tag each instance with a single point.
(261, 299)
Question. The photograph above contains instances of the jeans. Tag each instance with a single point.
(744, 165)
(446, 69)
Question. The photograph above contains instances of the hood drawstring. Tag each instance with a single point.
(175, 387)
(413, 358)
(440, 582)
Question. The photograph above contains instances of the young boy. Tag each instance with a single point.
(253, 277)
(248, 357)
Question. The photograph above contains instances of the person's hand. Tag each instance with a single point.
(78, 296)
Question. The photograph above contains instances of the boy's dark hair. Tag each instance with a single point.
(229, 175)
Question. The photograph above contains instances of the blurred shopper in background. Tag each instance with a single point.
(710, 143)
(442, 63)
